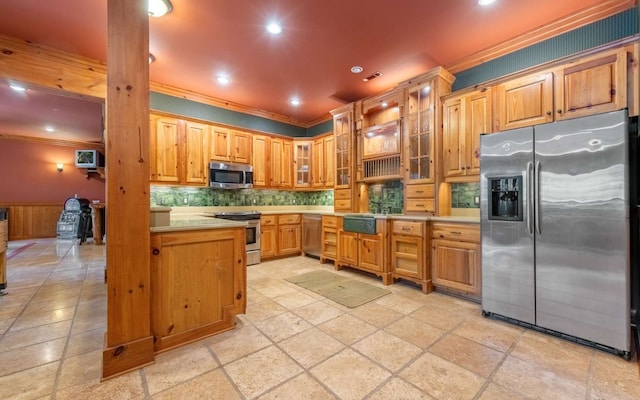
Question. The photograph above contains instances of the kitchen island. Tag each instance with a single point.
(198, 279)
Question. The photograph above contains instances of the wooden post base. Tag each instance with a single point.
(126, 357)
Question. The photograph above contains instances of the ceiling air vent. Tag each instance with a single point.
(372, 76)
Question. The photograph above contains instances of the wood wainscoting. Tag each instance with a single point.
(33, 220)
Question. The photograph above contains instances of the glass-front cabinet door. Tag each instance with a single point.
(342, 129)
(420, 133)
(302, 164)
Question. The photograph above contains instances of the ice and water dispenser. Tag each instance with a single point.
(505, 198)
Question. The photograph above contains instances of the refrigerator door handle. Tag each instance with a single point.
(536, 195)
(530, 194)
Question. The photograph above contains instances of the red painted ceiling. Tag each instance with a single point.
(310, 59)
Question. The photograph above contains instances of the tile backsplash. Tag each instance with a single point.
(386, 197)
(465, 195)
(204, 197)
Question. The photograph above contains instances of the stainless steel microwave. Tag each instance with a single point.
(230, 176)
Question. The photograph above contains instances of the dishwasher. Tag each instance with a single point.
(311, 235)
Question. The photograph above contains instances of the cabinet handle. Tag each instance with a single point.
(549, 112)
(455, 233)
(155, 252)
(239, 296)
(559, 111)
(406, 229)
(419, 191)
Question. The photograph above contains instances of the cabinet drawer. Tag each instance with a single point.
(329, 221)
(342, 205)
(428, 205)
(410, 228)
(457, 232)
(420, 191)
(289, 219)
(342, 194)
(267, 220)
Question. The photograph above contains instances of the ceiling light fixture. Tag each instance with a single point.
(356, 69)
(274, 28)
(158, 8)
(485, 2)
(49, 129)
(294, 102)
(223, 80)
(18, 88)
(152, 58)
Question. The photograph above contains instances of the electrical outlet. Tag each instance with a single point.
(186, 200)
(476, 200)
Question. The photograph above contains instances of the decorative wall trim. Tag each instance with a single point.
(55, 142)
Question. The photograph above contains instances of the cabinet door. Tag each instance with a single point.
(289, 239)
(317, 164)
(268, 241)
(348, 247)
(456, 265)
(525, 101)
(342, 129)
(371, 252)
(592, 86)
(286, 165)
(276, 162)
(261, 151)
(329, 243)
(167, 150)
(329, 162)
(196, 155)
(419, 133)
(240, 147)
(302, 164)
(407, 256)
(220, 143)
(477, 121)
(453, 132)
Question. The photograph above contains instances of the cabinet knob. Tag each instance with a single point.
(155, 252)
(549, 112)
(559, 111)
(239, 296)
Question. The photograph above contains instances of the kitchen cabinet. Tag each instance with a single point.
(280, 235)
(302, 164)
(420, 198)
(230, 145)
(323, 165)
(261, 160)
(178, 151)
(289, 234)
(525, 101)
(455, 261)
(380, 139)
(196, 157)
(329, 238)
(344, 137)
(198, 284)
(281, 163)
(464, 119)
(591, 85)
(166, 154)
(366, 252)
(409, 252)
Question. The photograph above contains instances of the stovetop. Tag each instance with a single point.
(238, 215)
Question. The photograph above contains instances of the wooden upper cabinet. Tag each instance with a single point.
(281, 163)
(261, 160)
(196, 156)
(465, 118)
(230, 145)
(329, 161)
(525, 101)
(302, 164)
(287, 164)
(344, 149)
(166, 150)
(323, 164)
(592, 85)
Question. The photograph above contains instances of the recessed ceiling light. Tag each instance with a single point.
(49, 129)
(356, 69)
(485, 2)
(18, 88)
(223, 80)
(158, 8)
(274, 28)
(294, 102)
(384, 104)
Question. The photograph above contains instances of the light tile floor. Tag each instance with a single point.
(291, 344)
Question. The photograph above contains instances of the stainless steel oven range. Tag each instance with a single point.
(253, 231)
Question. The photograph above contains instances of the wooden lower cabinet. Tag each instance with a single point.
(455, 262)
(280, 235)
(409, 253)
(198, 284)
(365, 252)
(329, 238)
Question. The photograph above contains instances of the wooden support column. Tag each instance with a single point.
(128, 341)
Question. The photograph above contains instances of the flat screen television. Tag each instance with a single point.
(89, 159)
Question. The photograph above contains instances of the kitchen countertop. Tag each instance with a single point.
(196, 222)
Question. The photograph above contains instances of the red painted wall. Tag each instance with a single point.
(28, 174)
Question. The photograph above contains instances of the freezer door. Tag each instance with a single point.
(506, 164)
(582, 246)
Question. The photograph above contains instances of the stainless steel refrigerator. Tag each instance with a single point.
(555, 228)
